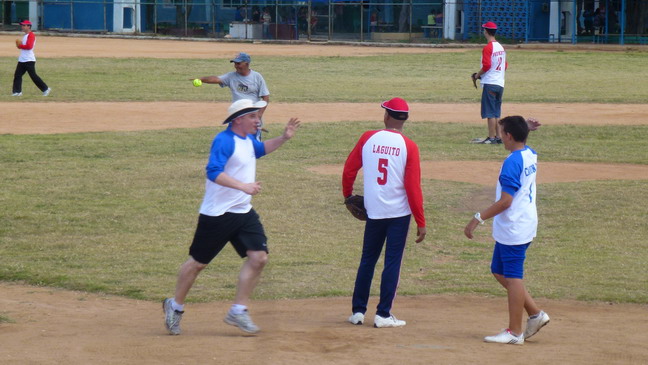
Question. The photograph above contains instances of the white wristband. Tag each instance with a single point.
(479, 218)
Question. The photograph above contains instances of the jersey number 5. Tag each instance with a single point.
(382, 168)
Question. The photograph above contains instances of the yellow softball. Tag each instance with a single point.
(197, 82)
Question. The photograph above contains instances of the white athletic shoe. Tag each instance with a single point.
(242, 321)
(505, 337)
(391, 321)
(356, 318)
(17, 94)
(171, 317)
(535, 324)
(47, 92)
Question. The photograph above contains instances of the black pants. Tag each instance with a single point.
(29, 67)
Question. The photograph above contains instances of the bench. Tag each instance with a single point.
(436, 29)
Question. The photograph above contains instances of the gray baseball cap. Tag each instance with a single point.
(242, 57)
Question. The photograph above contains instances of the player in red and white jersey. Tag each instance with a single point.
(492, 71)
(392, 192)
(27, 61)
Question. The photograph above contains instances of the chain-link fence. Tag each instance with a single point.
(420, 21)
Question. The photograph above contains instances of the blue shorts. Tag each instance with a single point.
(508, 261)
(491, 101)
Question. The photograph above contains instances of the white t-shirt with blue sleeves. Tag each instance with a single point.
(518, 224)
(236, 156)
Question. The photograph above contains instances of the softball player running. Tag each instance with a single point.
(226, 214)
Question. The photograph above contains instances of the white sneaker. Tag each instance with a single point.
(171, 317)
(242, 321)
(47, 92)
(535, 324)
(356, 318)
(391, 321)
(505, 337)
(16, 94)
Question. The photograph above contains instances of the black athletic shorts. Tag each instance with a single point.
(243, 230)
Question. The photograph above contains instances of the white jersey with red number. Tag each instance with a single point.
(494, 64)
(392, 175)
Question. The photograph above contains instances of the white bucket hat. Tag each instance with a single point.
(242, 107)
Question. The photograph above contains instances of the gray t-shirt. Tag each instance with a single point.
(252, 86)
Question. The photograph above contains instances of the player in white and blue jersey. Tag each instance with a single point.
(515, 222)
(226, 213)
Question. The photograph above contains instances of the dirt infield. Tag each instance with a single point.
(62, 327)
(165, 48)
(485, 172)
(50, 326)
(46, 118)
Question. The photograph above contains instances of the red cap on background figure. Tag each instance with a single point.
(25, 22)
(489, 25)
(396, 105)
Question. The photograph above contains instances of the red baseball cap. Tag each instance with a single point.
(489, 25)
(396, 105)
(25, 22)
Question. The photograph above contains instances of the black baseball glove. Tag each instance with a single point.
(474, 79)
(355, 205)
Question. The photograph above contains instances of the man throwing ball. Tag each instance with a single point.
(244, 83)
(226, 214)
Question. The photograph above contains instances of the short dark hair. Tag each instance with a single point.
(397, 115)
(516, 126)
(491, 32)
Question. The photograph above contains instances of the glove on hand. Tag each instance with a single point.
(474, 79)
(355, 205)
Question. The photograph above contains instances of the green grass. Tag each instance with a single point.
(115, 213)
(533, 76)
(5, 319)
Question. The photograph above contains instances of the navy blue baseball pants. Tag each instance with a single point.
(377, 231)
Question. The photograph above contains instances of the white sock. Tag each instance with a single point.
(176, 306)
(238, 309)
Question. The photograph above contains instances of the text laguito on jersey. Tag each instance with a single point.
(386, 150)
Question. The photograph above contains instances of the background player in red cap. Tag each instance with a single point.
(392, 192)
(27, 61)
(494, 65)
